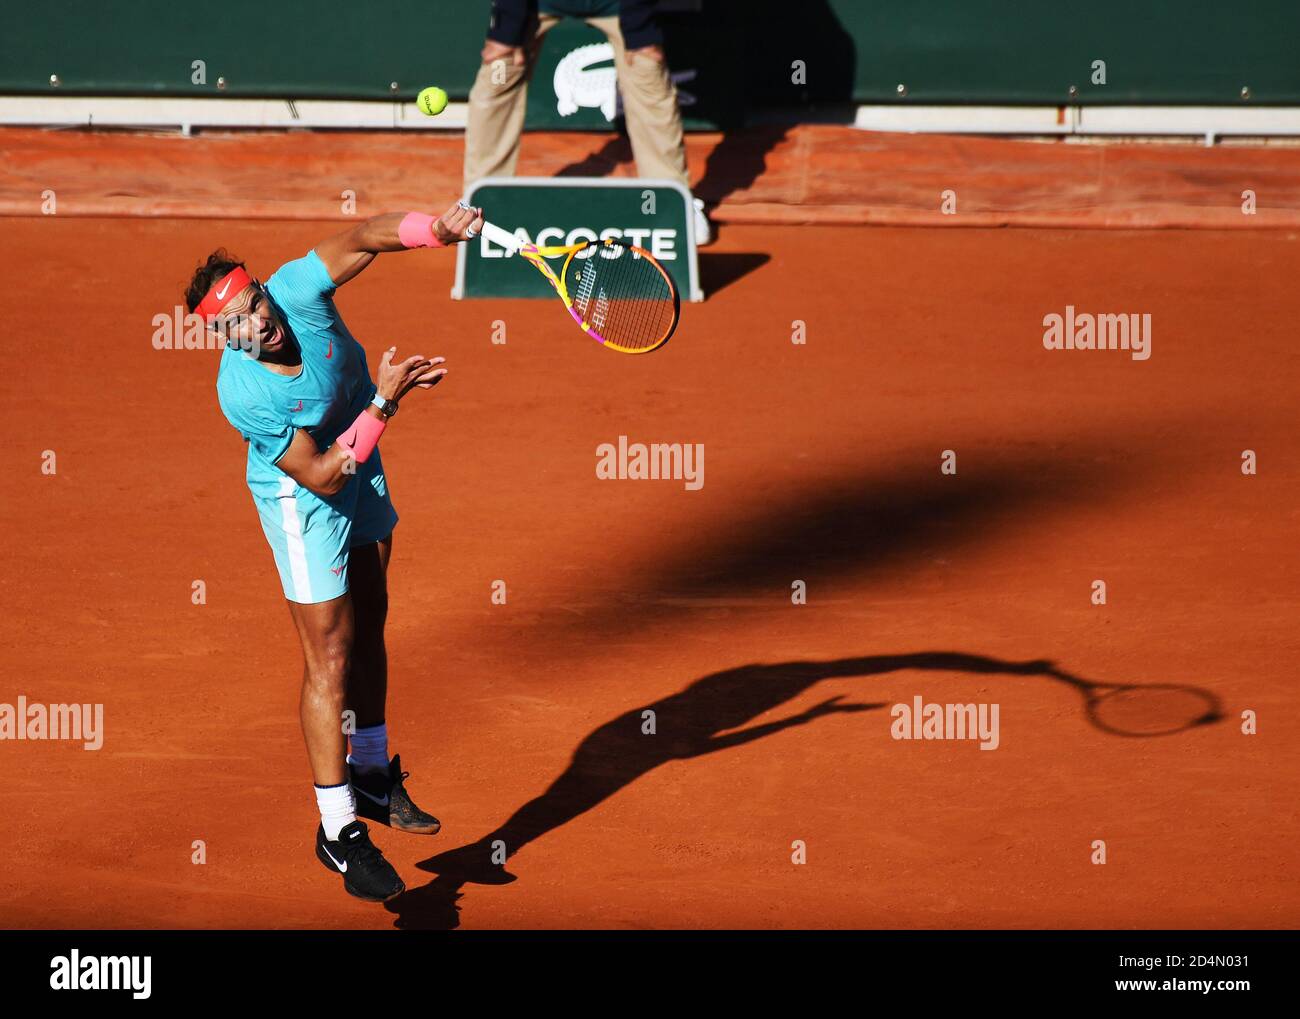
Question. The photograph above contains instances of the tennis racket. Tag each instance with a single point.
(618, 293)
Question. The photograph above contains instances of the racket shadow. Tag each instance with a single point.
(1143, 710)
(714, 713)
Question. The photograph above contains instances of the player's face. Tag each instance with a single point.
(249, 322)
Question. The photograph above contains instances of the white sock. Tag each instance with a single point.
(370, 748)
(337, 808)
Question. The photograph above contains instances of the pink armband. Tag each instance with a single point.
(416, 231)
(361, 439)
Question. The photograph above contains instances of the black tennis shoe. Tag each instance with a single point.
(366, 874)
(382, 796)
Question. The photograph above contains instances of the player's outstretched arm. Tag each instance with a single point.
(347, 253)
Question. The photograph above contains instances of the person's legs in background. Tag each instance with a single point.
(497, 103)
(654, 120)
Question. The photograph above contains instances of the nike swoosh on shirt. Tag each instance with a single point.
(382, 803)
(343, 867)
(299, 407)
(330, 353)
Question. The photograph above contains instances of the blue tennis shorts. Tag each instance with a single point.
(311, 536)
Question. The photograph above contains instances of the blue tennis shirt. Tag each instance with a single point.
(325, 397)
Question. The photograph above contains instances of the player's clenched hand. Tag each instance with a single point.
(459, 223)
(396, 378)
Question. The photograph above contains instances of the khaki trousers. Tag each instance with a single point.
(499, 97)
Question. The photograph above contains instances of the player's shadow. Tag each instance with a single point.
(714, 713)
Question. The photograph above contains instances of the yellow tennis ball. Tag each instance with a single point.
(431, 101)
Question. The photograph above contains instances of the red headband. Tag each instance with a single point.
(222, 294)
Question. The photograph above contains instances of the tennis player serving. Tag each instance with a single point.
(296, 385)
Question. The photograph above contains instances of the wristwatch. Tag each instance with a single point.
(386, 407)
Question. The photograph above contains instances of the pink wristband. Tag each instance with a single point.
(416, 231)
(361, 439)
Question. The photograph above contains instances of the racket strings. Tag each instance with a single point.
(625, 299)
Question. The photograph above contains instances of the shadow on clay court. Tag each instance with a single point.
(720, 269)
(712, 714)
(851, 526)
(860, 525)
(731, 167)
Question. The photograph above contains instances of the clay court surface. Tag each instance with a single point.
(822, 465)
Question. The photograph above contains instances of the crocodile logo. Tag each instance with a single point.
(585, 79)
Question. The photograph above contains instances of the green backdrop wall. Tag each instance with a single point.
(1032, 51)
(732, 55)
